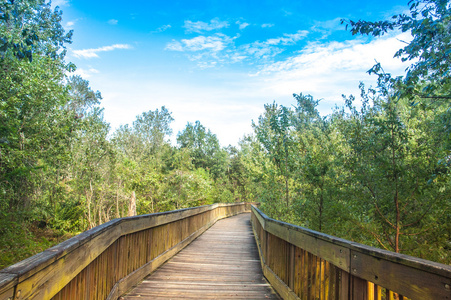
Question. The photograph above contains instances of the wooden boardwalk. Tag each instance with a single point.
(222, 263)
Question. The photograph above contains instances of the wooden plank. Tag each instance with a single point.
(307, 239)
(133, 278)
(260, 216)
(358, 288)
(38, 262)
(60, 270)
(7, 294)
(344, 285)
(138, 223)
(317, 244)
(291, 267)
(371, 290)
(7, 283)
(221, 263)
(49, 281)
(402, 279)
(54, 258)
(284, 291)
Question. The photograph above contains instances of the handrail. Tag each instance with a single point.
(305, 264)
(106, 261)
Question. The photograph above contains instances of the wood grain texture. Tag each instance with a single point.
(332, 268)
(220, 264)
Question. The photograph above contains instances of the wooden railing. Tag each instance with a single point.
(106, 261)
(304, 264)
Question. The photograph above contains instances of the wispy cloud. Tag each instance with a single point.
(326, 28)
(162, 28)
(267, 25)
(223, 49)
(274, 46)
(330, 69)
(60, 3)
(288, 38)
(286, 12)
(85, 73)
(69, 25)
(113, 22)
(93, 53)
(242, 25)
(212, 43)
(200, 27)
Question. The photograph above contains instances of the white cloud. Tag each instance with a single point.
(328, 70)
(93, 53)
(60, 3)
(242, 25)
(272, 47)
(267, 25)
(213, 43)
(85, 73)
(334, 24)
(69, 24)
(212, 48)
(288, 39)
(113, 22)
(326, 28)
(200, 26)
(162, 28)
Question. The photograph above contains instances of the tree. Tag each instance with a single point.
(142, 151)
(427, 80)
(393, 155)
(81, 96)
(429, 22)
(153, 127)
(204, 147)
(426, 86)
(90, 167)
(315, 161)
(31, 27)
(274, 132)
(32, 70)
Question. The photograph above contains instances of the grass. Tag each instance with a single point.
(19, 241)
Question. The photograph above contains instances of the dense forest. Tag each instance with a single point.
(375, 171)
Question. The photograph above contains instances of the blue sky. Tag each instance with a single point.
(219, 62)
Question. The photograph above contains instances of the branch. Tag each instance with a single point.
(413, 234)
(422, 216)
(377, 207)
(419, 219)
(383, 217)
(411, 196)
(432, 97)
(389, 239)
(375, 235)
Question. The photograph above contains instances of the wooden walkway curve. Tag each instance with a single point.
(222, 263)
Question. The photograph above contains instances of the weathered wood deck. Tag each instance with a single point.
(222, 263)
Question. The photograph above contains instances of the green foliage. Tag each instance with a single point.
(20, 239)
(371, 175)
(377, 174)
(204, 149)
(427, 80)
(428, 22)
(31, 28)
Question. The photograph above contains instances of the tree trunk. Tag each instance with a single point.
(117, 200)
(287, 192)
(132, 205)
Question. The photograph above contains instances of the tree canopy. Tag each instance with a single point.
(376, 172)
